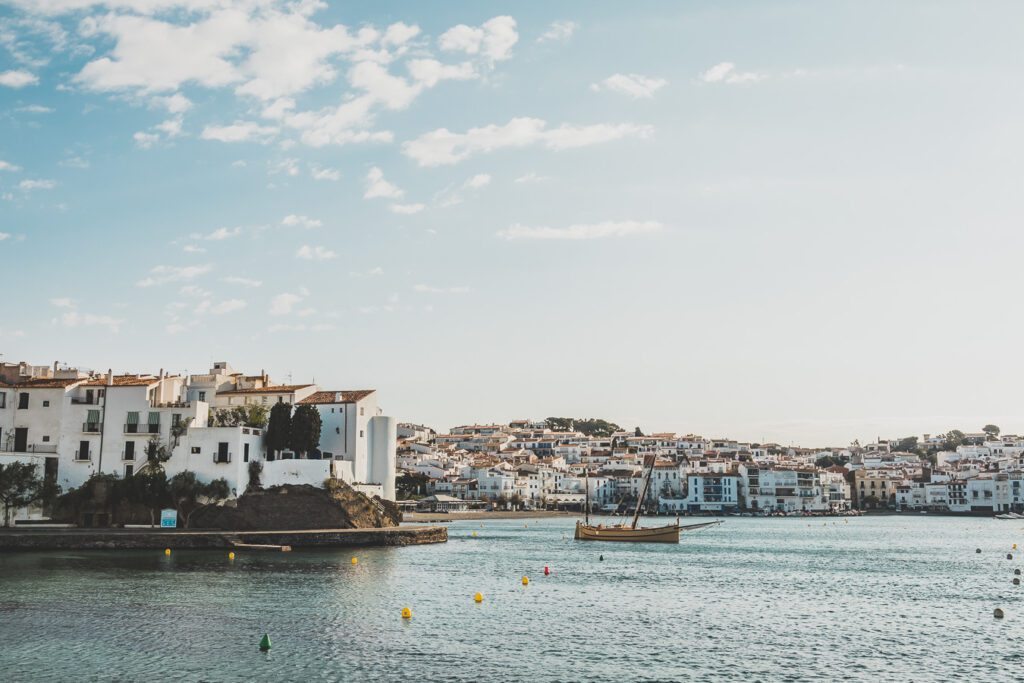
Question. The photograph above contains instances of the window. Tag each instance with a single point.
(360, 433)
(46, 404)
(3, 399)
(46, 439)
(245, 452)
(23, 400)
(196, 449)
(129, 470)
(202, 395)
(175, 419)
(131, 424)
(230, 400)
(154, 423)
(362, 411)
(222, 455)
(264, 400)
(129, 450)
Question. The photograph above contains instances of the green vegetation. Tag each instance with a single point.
(411, 485)
(991, 430)
(255, 472)
(189, 494)
(831, 460)
(588, 426)
(21, 485)
(279, 428)
(240, 416)
(305, 431)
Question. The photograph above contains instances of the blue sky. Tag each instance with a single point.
(774, 220)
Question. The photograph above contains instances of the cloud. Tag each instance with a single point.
(581, 231)
(725, 72)
(37, 184)
(239, 131)
(74, 162)
(318, 173)
(194, 291)
(493, 39)
(558, 31)
(159, 275)
(289, 167)
(193, 249)
(217, 235)
(145, 140)
(7, 166)
(632, 85)
(293, 220)
(377, 187)
(285, 303)
(171, 127)
(221, 307)
(407, 209)
(430, 72)
(531, 177)
(300, 327)
(35, 109)
(441, 146)
(76, 319)
(372, 272)
(440, 290)
(17, 79)
(5, 236)
(62, 302)
(174, 104)
(315, 253)
(451, 197)
(244, 281)
(478, 181)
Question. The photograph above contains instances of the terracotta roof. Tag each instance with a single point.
(47, 383)
(125, 381)
(280, 389)
(352, 396)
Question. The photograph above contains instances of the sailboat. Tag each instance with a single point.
(585, 531)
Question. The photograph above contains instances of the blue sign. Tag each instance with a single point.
(168, 519)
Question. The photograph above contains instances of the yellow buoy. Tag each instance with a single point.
(474, 534)
(526, 580)
(167, 551)
(479, 597)
(231, 556)
(406, 613)
(355, 560)
(1014, 546)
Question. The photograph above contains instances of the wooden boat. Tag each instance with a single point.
(585, 531)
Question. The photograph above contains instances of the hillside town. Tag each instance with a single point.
(528, 464)
(74, 424)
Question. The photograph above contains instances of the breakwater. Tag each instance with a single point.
(126, 539)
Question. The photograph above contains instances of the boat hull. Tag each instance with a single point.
(661, 534)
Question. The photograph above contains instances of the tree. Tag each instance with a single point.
(156, 453)
(188, 494)
(20, 485)
(991, 430)
(953, 439)
(907, 444)
(831, 460)
(149, 489)
(240, 416)
(411, 484)
(305, 429)
(255, 471)
(279, 428)
(637, 432)
(179, 429)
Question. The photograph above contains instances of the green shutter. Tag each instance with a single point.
(133, 418)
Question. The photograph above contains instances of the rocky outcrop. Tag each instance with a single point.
(288, 507)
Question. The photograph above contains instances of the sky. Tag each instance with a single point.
(776, 221)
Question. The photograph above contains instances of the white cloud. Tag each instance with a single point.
(239, 131)
(531, 177)
(318, 173)
(725, 72)
(145, 140)
(195, 291)
(452, 197)
(632, 85)
(289, 167)
(217, 235)
(442, 146)
(493, 39)
(440, 290)
(171, 127)
(558, 31)
(478, 181)
(193, 249)
(407, 209)
(17, 79)
(399, 33)
(7, 166)
(76, 319)
(35, 109)
(315, 253)
(74, 162)
(163, 274)
(221, 307)
(376, 186)
(284, 303)
(37, 184)
(430, 72)
(293, 220)
(5, 236)
(244, 281)
(300, 327)
(62, 302)
(581, 231)
(174, 104)
(372, 272)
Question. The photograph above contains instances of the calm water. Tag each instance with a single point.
(896, 598)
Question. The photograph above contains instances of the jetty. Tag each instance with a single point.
(184, 539)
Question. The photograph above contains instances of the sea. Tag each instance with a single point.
(874, 598)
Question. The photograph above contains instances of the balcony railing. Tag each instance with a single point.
(83, 455)
(142, 428)
(91, 428)
(221, 458)
(85, 401)
(29, 448)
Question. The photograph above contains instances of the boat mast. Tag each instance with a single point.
(586, 509)
(643, 491)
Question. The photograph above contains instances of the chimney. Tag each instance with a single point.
(161, 373)
(110, 377)
(263, 374)
(55, 363)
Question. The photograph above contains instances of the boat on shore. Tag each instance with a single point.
(1010, 515)
(631, 533)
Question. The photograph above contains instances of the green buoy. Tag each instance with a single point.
(265, 642)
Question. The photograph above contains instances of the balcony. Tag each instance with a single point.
(221, 458)
(30, 448)
(142, 428)
(91, 428)
(85, 401)
(83, 456)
